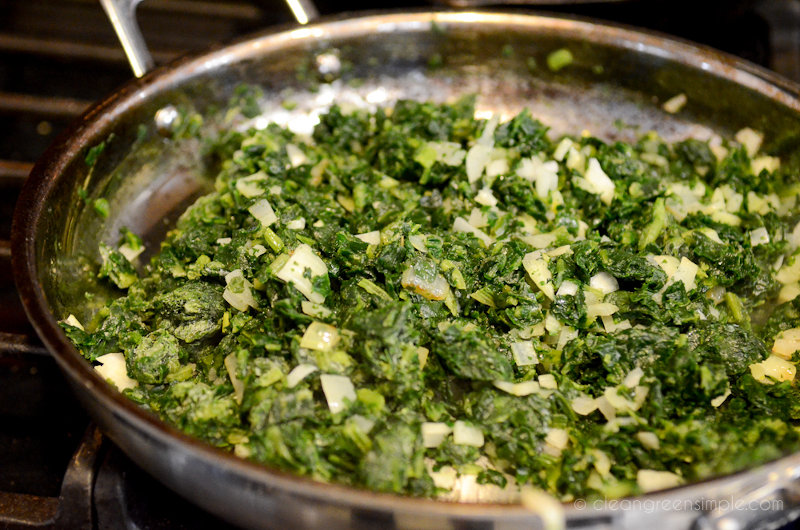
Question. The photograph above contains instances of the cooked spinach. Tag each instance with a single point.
(413, 296)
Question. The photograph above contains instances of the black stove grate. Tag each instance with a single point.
(58, 56)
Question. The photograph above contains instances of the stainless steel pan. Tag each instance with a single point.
(619, 77)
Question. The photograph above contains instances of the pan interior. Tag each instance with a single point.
(613, 88)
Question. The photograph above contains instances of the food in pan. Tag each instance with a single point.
(417, 301)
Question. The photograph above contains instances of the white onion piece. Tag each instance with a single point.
(293, 272)
(478, 158)
(238, 384)
(296, 155)
(248, 186)
(485, 197)
(338, 390)
(237, 292)
(750, 139)
(112, 368)
(262, 210)
(466, 434)
(648, 439)
(604, 282)
(567, 288)
(759, 236)
(651, 480)
(461, 225)
(296, 224)
(298, 373)
(74, 322)
(320, 337)
(524, 353)
(434, 433)
(371, 238)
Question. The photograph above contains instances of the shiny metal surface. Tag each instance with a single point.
(122, 14)
(614, 89)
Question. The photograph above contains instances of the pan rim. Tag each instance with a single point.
(39, 187)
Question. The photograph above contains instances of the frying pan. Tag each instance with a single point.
(614, 88)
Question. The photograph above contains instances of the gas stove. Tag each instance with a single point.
(56, 58)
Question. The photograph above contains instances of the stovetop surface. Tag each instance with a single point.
(58, 56)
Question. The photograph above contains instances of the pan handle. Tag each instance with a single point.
(122, 14)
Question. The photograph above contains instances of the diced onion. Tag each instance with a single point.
(668, 264)
(237, 292)
(540, 240)
(434, 433)
(789, 272)
(675, 103)
(438, 289)
(524, 353)
(686, 273)
(298, 373)
(338, 390)
(558, 438)
(759, 236)
(726, 218)
(540, 274)
(461, 225)
(565, 335)
(256, 251)
(296, 156)
(775, 368)
(598, 182)
(770, 163)
(477, 158)
(601, 462)
(445, 478)
(634, 376)
(750, 139)
(112, 368)
(371, 238)
(315, 310)
(787, 342)
(559, 251)
(296, 224)
(584, 405)
(364, 424)
(567, 288)
(293, 272)
(238, 384)
(466, 434)
(548, 381)
(448, 153)
(74, 322)
(320, 337)
(419, 242)
(788, 293)
(719, 400)
(603, 309)
(263, 211)
(649, 440)
(130, 253)
(485, 197)
(651, 480)
(604, 282)
(562, 149)
(606, 408)
(477, 218)
(525, 388)
(547, 507)
(248, 186)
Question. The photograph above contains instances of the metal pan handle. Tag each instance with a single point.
(122, 14)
